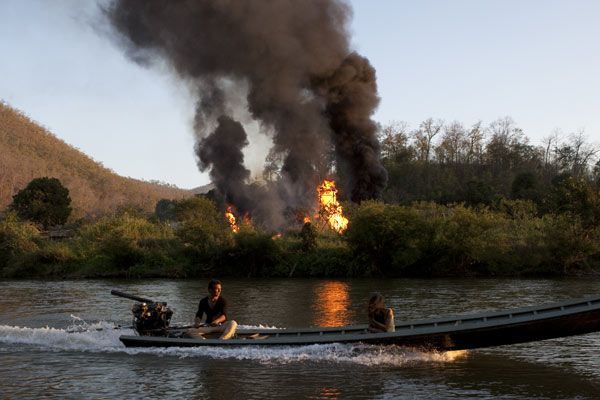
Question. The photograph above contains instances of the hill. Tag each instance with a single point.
(29, 151)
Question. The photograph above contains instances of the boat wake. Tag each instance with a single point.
(103, 337)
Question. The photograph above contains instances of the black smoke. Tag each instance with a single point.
(221, 153)
(291, 63)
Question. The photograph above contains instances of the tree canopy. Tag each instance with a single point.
(44, 201)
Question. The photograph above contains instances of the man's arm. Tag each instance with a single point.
(198, 319)
(219, 320)
(223, 317)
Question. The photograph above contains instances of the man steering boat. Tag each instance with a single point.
(214, 306)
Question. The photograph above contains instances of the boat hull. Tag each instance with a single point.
(455, 333)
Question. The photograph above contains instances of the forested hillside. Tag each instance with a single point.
(28, 151)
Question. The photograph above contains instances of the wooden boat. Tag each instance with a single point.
(474, 331)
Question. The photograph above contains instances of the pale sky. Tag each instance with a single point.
(537, 61)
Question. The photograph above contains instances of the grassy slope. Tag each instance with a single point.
(28, 151)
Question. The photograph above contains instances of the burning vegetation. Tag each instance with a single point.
(330, 209)
(231, 219)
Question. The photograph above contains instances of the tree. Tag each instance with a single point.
(394, 142)
(596, 174)
(44, 201)
(475, 144)
(576, 196)
(424, 137)
(273, 164)
(500, 151)
(576, 156)
(165, 209)
(478, 192)
(202, 227)
(454, 145)
(525, 186)
(308, 234)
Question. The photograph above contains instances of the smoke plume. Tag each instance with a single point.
(221, 152)
(304, 85)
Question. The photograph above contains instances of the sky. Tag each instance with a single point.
(537, 61)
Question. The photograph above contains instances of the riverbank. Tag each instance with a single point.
(382, 240)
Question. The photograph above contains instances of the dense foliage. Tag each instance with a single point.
(419, 240)
(18, 240)
(44, 201)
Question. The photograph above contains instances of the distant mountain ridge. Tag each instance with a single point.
(29, 151)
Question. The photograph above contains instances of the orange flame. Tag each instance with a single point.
(306, 220)
(276, 236)
(231, 219)
(331, 210)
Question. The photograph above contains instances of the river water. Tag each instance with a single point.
(40, 356)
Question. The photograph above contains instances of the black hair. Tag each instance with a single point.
(214, 282)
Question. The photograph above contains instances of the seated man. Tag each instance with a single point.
(215, 308)
(381, 319)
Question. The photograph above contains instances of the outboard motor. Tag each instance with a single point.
(150, 318)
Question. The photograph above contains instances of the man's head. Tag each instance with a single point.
(214, 288)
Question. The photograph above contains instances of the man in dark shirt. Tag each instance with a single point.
(215, 308)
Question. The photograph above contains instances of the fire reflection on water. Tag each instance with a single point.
(332, 300)
(330, 393)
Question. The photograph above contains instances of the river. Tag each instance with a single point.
(41, 356)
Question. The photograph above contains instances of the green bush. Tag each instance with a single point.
(117, 243)
(17, 240)
(390, 239)
(200, 226)
(570, 246)
(254, 254)
(51, 252)
(325, 262)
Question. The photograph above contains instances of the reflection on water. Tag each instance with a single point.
(329, 393)
(331, 303)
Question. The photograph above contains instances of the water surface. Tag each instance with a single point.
(40, 358)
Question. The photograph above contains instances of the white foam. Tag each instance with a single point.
(102, 337)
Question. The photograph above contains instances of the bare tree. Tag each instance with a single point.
(394, 140)
(475, 138)
(583, 153)
(272, 167)
(550, 143)
(506, 141)
(452, 148)
(423, 137)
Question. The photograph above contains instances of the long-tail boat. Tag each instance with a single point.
(471, 331)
